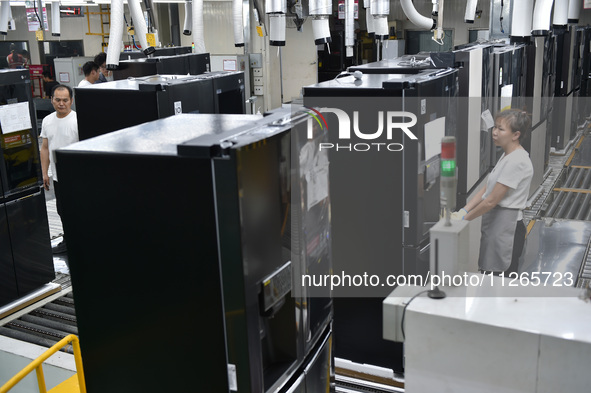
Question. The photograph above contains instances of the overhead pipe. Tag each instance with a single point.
(560, 18)
(139, 25)
(380, 9)
(4, 16)
(471, 11)
(574, 10)
(369, 18)
(541, 21)
(115, 34)
(521, 20)
(438, 11)
(435, 10)
(55, 18)
(349, 27)
(276, 10)
(413, 15)
(197, 29)
(321, 10)
(238, 23)
(188, 18)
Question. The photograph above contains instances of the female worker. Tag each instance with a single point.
(505, 194)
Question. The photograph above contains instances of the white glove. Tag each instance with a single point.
(459, 215)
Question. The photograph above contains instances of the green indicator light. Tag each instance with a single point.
(448, 168)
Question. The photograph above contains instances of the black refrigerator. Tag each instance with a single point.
(383, 201)
(211, 221)
(110, 106)
(564, 46)
(191, 63)
(26, 262)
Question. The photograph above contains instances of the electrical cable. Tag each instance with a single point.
(404, 312)
(41, 24)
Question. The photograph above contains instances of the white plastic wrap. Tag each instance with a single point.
(115, 34)
(521, 20)
(139, 23)
(574, 10)
(198, 30)
(542, 12)
(560, 17)
(188, 25)
(4, 16)
(277, 26)
(471, 11)
(55, 18)
(238, 22)
(413, 15)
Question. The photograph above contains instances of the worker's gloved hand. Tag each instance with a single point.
(459, 215)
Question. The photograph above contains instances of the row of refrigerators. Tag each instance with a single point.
(235, 209)
(383, 205)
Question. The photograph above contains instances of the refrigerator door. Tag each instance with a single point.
(8, 287)
(29, 236)
(20, 167)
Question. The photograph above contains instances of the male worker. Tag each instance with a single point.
(59, 129)
(91, 74)
(101, 61)
(48, 83)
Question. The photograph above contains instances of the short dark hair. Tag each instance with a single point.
(100, 59)
(518, 120)
(61, 87)
(46, 74)
(88, 67)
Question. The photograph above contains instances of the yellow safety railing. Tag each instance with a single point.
(37, 365)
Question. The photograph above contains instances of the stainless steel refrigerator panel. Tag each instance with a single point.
(556, 246)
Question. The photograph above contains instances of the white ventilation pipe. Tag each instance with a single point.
(349, 27)
(115, 34)
(139, 25)
(188, 18)
(321, 10)
(574, 10)
(560, 18)
(471, 11)
(413, 15)
(276, 10)
(238, 23)
(541, 22)
(55, 18)
(368, 18)
(380, 9)
(198, 30)
(521, 18)
(4, 16)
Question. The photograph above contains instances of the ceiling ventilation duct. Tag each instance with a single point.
(238, 23)
(188, 25)
(276, 10)
(541, 22)
(115, 34)
(197, 30)
(521, 21)
(321, 10)
(574, 10)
